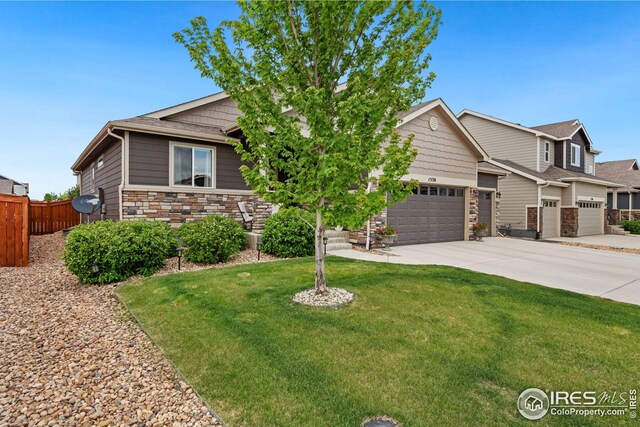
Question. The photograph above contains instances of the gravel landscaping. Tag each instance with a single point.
(71, 355)
(334, 297)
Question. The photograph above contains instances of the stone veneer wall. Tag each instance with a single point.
(569, 222)
(532, 218)
(497, 217)
(472, 218)
(178, 207)
(624, 215)
(613, 217)
(359, 236)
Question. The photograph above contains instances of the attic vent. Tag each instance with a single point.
(433, 123)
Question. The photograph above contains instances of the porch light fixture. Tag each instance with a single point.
(325, 240)
(179, 251)
(259, 247)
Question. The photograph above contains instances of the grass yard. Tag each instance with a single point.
(427, 345)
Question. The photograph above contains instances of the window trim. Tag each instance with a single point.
(173, 144)
(578, 154)
(547, 151)
(92, 183)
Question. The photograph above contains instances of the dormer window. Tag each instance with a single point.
(547, 151)
(575, 155)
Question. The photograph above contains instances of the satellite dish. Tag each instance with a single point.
(86, 204)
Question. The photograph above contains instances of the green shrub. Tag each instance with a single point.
(631, 226)
(287, 235)
(119, 249)
(212, 239)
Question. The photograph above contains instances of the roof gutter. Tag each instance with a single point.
(592, 181)
(122, 170)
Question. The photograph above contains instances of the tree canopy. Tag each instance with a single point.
(320, 85)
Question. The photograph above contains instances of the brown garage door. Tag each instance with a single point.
(433, 214)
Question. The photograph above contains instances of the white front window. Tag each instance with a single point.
(192, 166)
(547, 151)
(575, 155)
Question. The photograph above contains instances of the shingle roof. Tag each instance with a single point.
(619, 171)
(554, 173)
(559, 130)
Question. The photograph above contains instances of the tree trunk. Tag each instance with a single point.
(321, 283)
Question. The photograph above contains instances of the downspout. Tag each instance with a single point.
(368, 244)
(540, 187)
(122, 172)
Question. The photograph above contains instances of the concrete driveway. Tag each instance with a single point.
(593, 272)
(629, 241)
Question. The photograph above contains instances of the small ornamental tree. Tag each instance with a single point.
(311, 140)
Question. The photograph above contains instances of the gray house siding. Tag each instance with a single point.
(487, 180)
(149, 161)
(220, 114)
(579, 140)
(442, 152)
(558, 156)
(503, 142)
(108, 177)
(517, 193)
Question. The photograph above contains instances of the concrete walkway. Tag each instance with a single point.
(617, 241)
(593, 272)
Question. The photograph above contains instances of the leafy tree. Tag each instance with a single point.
(291, 56)
(70, 194)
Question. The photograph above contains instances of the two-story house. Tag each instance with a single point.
(553, 189)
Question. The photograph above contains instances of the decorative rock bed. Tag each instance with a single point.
(381, 421)
(335, 297)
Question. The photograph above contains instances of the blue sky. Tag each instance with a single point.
(67, 68)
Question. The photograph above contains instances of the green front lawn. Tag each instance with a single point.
(427, 345)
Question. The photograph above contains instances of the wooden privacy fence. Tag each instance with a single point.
(49, 217)
(14, 231)
(20, 217)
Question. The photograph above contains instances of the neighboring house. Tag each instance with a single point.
(553, 189)
(10, 186)
(623, 203)
(177, 164)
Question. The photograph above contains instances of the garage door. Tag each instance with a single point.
(590, 219)
(485, 210)
(550, 218)
(433, 214)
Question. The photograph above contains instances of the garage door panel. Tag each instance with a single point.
(550, 219)
(426, 218)
(590, 218)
